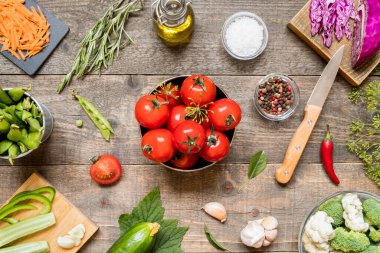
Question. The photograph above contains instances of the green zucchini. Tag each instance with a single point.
(138, 239)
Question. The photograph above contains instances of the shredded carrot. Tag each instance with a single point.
(23, 32)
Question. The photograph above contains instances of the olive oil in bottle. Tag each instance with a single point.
(174, 20)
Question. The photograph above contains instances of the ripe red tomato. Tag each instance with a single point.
(106, 169)
(169, 92)
(198, 90)
(184, 161)
(224, 114)
(152, 111)
(177, 116)
(189, 137)
(157, 145)
(217, 146)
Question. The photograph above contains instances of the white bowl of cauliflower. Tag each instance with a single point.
(346, 221)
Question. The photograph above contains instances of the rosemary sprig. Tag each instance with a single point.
(103, 42)
(364, 138)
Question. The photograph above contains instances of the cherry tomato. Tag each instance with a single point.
(189, 137)
(152, 111)
(217, 146)
(157, 145)
(184, 161)
(106, 169)
(198, 90)
(177, 116)
(170, 92)
(224, 114)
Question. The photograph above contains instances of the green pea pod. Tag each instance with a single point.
(14, 133)
(34, 125)
(19, 107)
(4, 146)
(27, 103)
(35, 111)
(32, 140)
(3, 106)
(4, 98)
(26, 115)
(4, 125)
(11, 110)
(6, 115)
(13, 152)
(18, 114)
(22, 146)
(17, 93)
(97, 118)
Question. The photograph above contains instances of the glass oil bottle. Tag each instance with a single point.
(174, 21)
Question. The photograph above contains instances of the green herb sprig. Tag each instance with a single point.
(104, 41)
(364, 138)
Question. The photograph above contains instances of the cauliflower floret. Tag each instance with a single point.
(353, 213)
(318, 232)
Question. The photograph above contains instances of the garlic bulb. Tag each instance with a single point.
(253, 235)
(216, 210)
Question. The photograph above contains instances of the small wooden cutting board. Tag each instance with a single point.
(66, 214)
(300, 25)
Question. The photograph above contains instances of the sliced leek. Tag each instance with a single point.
(25, 227)
(30, 247)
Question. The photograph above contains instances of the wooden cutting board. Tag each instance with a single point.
(66, 214)
(300, 25)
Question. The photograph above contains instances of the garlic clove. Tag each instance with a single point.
(253, 234)
(271, 235)
(216, 210)
(78, 231)
(65, 242)
(270, 223)
(266, 243)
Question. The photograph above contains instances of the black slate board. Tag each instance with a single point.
(58, 31)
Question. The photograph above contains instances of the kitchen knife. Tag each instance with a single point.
(312, 111)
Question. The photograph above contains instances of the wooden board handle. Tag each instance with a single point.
(297, 145)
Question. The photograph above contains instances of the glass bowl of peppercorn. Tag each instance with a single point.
(276, 97)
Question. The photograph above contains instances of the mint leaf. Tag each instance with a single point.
(212, 240)
(169, 237)
(149, 209)
(257, 164)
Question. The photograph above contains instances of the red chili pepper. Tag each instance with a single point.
(327, 148)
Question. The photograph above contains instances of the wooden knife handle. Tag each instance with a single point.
(297, 145)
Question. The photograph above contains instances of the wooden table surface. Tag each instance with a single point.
(64, 158)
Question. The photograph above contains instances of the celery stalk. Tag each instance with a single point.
(30, 247)
(25, 227)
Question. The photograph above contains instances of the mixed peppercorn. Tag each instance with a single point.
(275, 96)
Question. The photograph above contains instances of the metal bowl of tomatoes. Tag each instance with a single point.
(187, 123)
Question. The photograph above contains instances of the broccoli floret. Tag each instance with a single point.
(349, 241)
(333, 207)
(372, 210)
(374, 234)
(372, 249)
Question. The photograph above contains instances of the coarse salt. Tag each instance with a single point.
(244, 36)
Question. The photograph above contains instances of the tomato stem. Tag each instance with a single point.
(200, 82)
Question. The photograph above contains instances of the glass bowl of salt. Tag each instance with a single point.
(244, 35)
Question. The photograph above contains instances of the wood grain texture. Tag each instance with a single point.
(297, 144)
(300, 25)
(66, 214)
(204, 54)
(184, 194)
(115, 96)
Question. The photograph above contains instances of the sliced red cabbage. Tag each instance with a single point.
(366, 38)
(329, 17)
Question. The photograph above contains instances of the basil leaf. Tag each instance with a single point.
(257, 164)
(212, 240)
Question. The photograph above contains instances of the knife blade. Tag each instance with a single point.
(312, 111)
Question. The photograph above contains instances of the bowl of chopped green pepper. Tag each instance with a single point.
(24, 123)
(347, 221)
